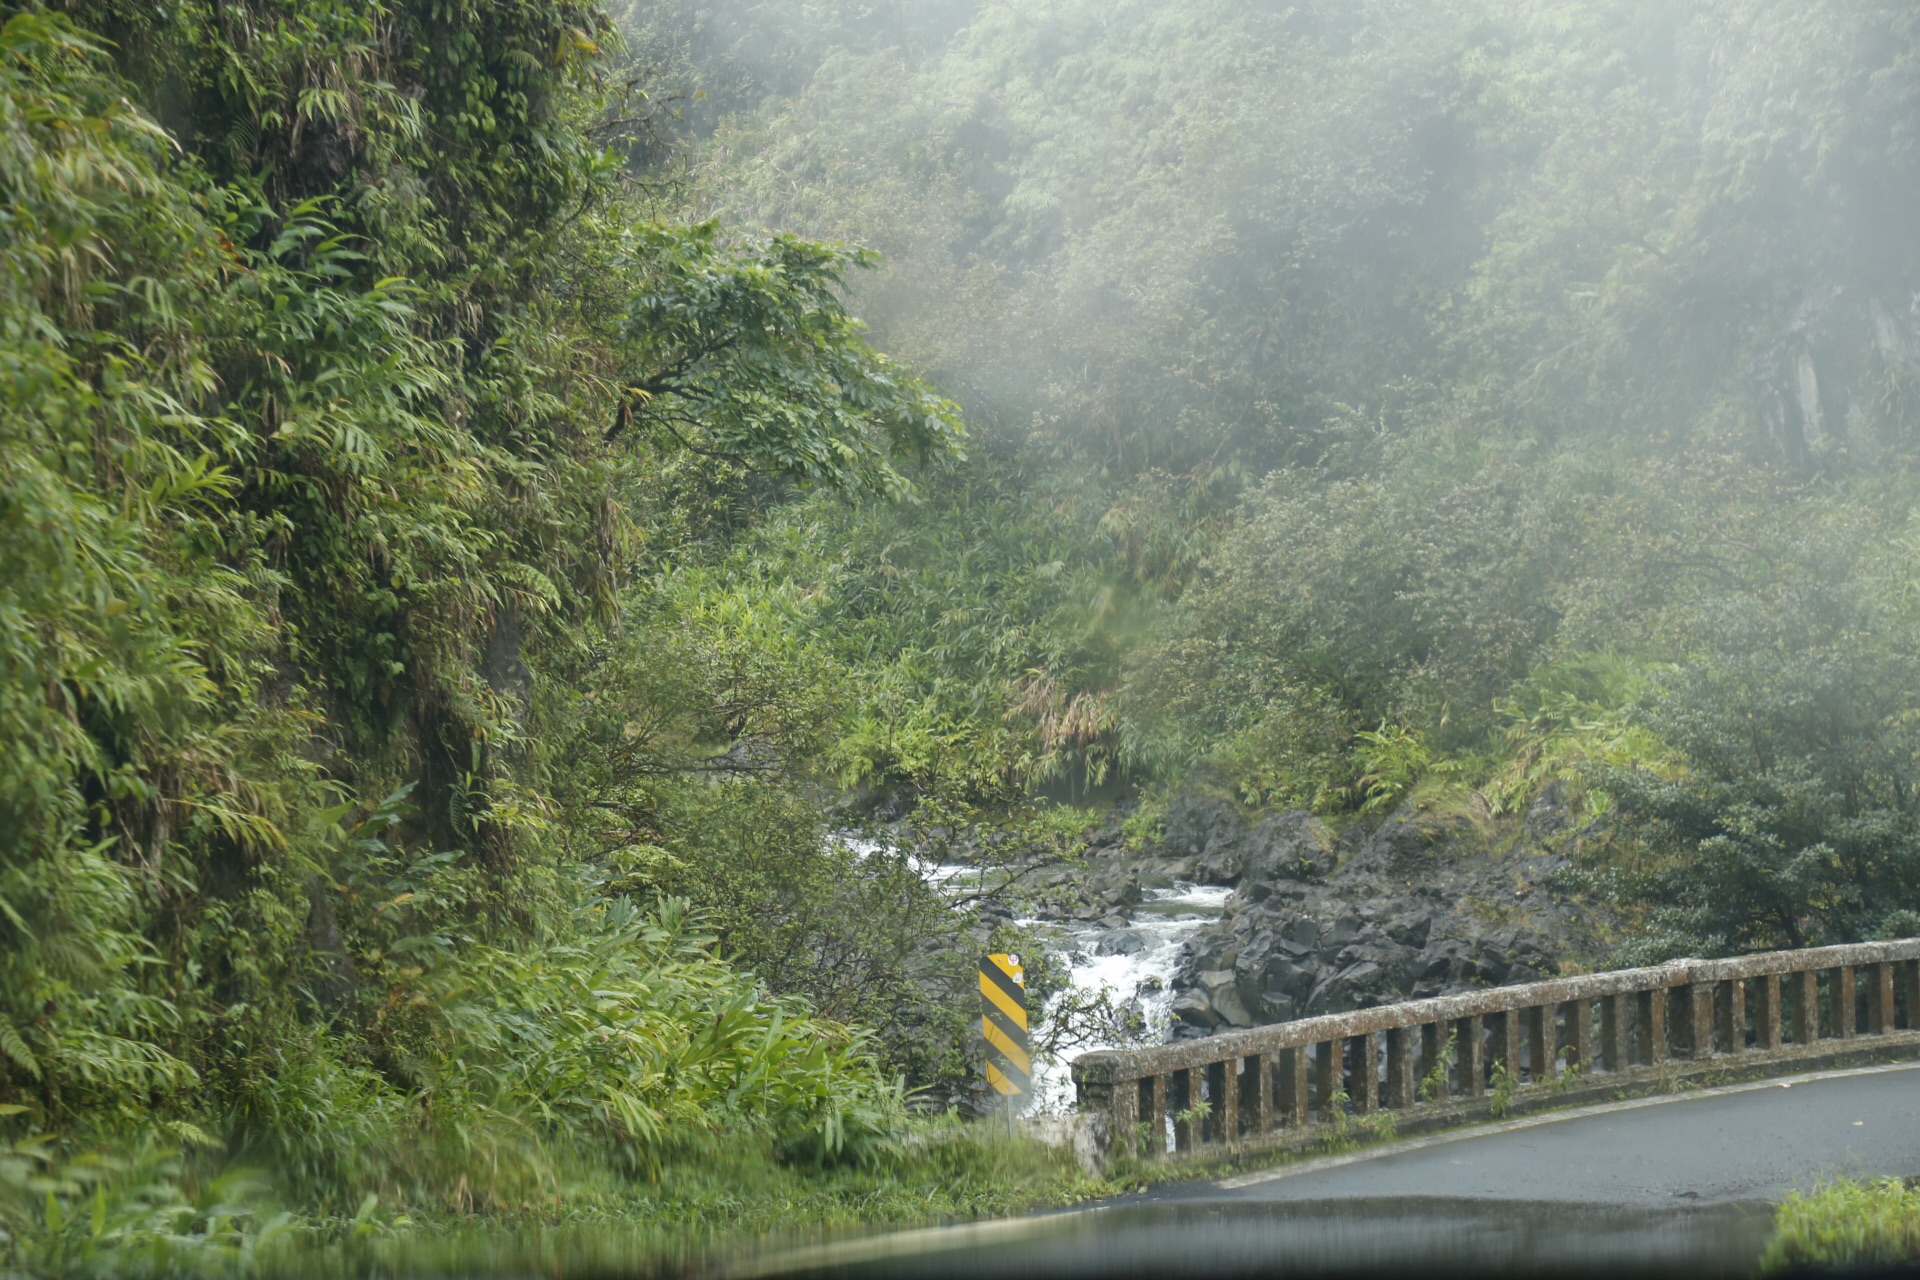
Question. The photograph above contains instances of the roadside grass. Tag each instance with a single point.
(1846, 1225)
(145, 1215)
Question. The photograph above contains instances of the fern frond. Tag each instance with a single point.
(14, 1045)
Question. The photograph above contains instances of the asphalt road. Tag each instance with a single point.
(1681, 1186)
(1749, 1143)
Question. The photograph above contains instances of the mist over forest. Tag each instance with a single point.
(528, 530)
(1373, 397)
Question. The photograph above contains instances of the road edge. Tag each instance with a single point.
(1322, 1163)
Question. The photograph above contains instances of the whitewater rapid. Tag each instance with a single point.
(1143, 982)
(1165, 919)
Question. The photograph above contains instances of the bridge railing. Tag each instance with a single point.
(1277, 1084)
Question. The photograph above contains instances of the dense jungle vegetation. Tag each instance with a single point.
(462, 559)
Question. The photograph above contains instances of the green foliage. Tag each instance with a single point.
(1794, 819)
(1369, 401)
(1439, 1077)
(1346, 1132)
(1571, 724)
(1394, 759)
(118, 734)
(1372, 339)
(130, 1213)
(1846, 1225)
(157, 1215)
(1504, 1084)
(978, 630)
(747, 352)
(326, 410)
(621, 1025)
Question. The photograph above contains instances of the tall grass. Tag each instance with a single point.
(1847, 1224)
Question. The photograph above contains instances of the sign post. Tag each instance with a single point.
(1003, 1025)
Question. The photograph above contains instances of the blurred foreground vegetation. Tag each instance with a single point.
(1847, 1226)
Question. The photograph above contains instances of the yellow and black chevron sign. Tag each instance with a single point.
(1003, 1025)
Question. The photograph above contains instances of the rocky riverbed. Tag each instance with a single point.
(1318, 921)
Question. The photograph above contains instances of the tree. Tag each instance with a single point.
(1797, 819)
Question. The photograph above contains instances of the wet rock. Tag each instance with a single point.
(1547, 816)
(1418, 905)
(1286, 847)
(1121, 942)
(1116, 884)
(1355, 987)
(1412, 844)
(1219, 846)
(1289, 978)
(1278, 1006)
(1194, 1009)
(1363, 976)
(1223, 992)
(1209, 834)
(1412, 930)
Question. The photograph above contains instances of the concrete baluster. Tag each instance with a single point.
(1468, 1052)
(1326, 1076)
(1879, 999)
(1766, 1011)
(1366, 1073)
(1505, 1043)
(1294, 1107)
(1805, 986)
(1651, 1014)
(1540, 1044)
(1841, 999)
(1578, 1033)
(1400, 1051)
(1162, 1091)
(1697, 999)
(1224, 1087)
(1265, 1079)
(1730, 1013)
(1229, 1114)
(1613, 1032)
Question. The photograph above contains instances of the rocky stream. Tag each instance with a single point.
(1225, 922)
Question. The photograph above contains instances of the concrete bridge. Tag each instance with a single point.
(1403, 1069)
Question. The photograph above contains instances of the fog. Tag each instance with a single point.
(1429, 378)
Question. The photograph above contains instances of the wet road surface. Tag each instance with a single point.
(1680, 1186)
(1755, 1142)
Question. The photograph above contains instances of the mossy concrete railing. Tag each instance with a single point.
(1427, 1064)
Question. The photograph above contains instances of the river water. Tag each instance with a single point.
(1142, 981)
